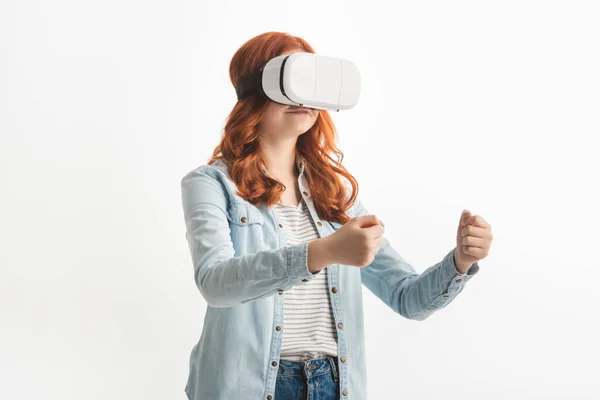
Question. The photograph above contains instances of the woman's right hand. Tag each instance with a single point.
(356, 242)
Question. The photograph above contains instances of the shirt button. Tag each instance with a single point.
(345, 392)
(269, 397)
(334, 289)
(305, 193)
(277, 328)
(281, 226)
(244, 219)
(319, 223)
(304, 280)
(458, 280)
(340, 325)
(343, 358)
(274, 363)
(280, 292)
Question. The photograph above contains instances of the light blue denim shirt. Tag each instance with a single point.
(242, 264)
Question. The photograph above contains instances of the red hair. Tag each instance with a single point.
(239, 143)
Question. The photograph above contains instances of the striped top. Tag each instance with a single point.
(308, 324)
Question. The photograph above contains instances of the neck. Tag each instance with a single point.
(280, 162)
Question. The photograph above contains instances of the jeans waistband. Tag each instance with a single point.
(310, 368)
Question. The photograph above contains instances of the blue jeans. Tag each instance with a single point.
(308, 380)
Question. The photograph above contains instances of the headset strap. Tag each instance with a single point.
(247, 83)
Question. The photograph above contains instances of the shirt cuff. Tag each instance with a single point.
(451, 272)
(297, 262)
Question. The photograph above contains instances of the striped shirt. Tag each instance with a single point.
(308, 324)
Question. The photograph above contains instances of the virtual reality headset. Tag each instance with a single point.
(305, 80)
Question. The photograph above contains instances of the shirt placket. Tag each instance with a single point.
(332, 279)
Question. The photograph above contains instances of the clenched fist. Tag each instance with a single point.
(357, 241)
(473, 240)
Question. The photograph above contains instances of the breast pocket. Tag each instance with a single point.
(242, 214)
(247, 233)
(246, 224)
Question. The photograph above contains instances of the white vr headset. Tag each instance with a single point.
(306, 80)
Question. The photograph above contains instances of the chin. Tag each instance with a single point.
(297, 128)
(305, 126)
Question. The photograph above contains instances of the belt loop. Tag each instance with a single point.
(303, 366)
(334, 372)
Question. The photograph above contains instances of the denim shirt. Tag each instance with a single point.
(242, 265)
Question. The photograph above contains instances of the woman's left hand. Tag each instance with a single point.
(473, 241)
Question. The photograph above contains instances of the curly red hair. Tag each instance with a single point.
(239, 143)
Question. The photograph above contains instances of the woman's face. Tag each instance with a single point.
(282, 120)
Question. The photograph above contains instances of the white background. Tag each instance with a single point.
(490, 106)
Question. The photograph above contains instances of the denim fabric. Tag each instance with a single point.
(308, 380)
(242, 265)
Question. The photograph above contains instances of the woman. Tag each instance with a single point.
(281, 244)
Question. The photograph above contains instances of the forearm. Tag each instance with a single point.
(319, 254)
(232, 281)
